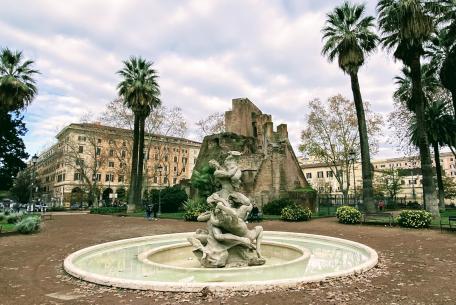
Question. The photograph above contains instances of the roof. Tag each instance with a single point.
(118, 130)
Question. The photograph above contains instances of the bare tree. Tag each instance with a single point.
(161, 125)
(331, 134)
(214, 123)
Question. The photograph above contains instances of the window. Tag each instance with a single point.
(77, 177)
(111, 152)
(184, 160)
(82, 138)
(81, 149)
(309, 175)
(319, 174)
(412, 181)
(109, 177)
(166, 158)
(99, 141)
(175, 158)
(165, 180)
(329, 174)
(98, 151)
(80, 162)
(124, 143)
(111, 163)
(59, 178)
(155, 180)
(174, 180)
(111, 142)
(98, 163)
(156, 157)
(183, 169)
(98, 177)
(122, 164)
(165, 168)
(123, 153)
(121, 178)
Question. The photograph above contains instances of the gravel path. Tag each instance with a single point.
(416, 266)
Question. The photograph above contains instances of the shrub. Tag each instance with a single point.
(414, 219)
(2, 217)
(295, 213)
(14, 217)
(194, 207)
(171, 198)
(348, 215)
(109, 210)
(276, 206)
(28, 225)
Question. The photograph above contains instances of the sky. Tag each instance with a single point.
(207, 52)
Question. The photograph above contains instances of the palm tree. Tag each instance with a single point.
(140, 92)
(441, 131)
(17, 86)
(406, 25)
(348, 36)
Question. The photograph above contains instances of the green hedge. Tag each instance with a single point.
(276, 206)
(194, 207)
(414, 219)
(295, 213)
(171, 198)
(108, 210)
(348, 215)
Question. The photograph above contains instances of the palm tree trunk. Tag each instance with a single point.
(429, 195)
(438, 169)
(134, 166)
(368, 191)
(139, 178)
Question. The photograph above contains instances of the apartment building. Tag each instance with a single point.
(91, 156)
(322, 178)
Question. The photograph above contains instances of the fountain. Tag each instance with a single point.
(224, 255)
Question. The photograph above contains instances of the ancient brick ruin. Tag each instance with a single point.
(269, 165)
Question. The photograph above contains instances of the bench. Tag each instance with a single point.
(382, 214)
(450, 220)
(255, 217)
(43, 216)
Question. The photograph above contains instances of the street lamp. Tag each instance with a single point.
(160, 169)
(34, 161)
(95, 192)
(352, 158)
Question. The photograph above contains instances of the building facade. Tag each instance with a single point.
(91, 160)
(322, 179)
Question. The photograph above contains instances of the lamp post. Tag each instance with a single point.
(34, 161)
(94, 190)
(160, 169)
(352, 158)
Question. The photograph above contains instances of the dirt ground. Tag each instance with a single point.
(416, 266)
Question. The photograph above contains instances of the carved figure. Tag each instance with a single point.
(227, 241)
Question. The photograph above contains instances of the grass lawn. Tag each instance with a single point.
(7, 227)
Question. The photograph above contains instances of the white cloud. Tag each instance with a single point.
(207, 52)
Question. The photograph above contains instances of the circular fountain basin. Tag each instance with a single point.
(166, 263)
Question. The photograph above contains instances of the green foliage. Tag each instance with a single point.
(14, 217)
(348, 36)
(12, 149)
(17, 86)
(414, 219)
(108, 210)
(204, 181)
(295, 213)
(308, 189)
(28, 225)
(276, 206)
(171, 198)
(194, 207)
(2, 217)
(348, 215)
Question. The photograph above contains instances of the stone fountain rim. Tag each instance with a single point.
(73, 270)
(143, 257)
